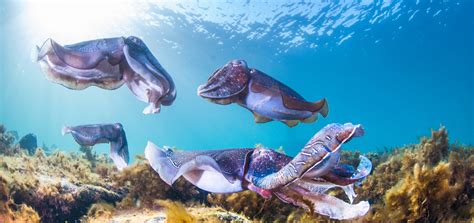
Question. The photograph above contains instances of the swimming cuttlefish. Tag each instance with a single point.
(89, 135)
(108, 64)
(267, 98)
(301, 180)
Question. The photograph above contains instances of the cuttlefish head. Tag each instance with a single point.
(135, 42)
(334, 135)
(226, 83)
(314, 159)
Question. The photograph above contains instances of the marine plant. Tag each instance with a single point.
(11, 212)
(175, 212)
(6, 142)
(430, 181)
(145, 186)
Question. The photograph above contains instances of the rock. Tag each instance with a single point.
(29, 143)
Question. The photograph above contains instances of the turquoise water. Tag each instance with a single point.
(399, 68)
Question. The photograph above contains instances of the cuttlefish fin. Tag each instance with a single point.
(310, 119)
(260, 118)
(320, 106)
(323, 104)
(291, 123)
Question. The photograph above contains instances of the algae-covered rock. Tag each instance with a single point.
(145, 186)
(29, 143)
(6, 142)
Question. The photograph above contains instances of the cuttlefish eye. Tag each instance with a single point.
(236, 63)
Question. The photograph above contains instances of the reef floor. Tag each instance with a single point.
(431, 181)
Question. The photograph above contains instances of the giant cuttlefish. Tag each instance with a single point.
(108, 64)
(301, 180)
(89, 135)
(267, 98)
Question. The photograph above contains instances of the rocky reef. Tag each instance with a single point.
(427, 182)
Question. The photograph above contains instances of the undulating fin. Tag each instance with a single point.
(324, 107)
(291, 123)
(261, 119)
(310, 119)
(302, 105)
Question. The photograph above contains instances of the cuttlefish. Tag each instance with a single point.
(268, 99)
(301, 180)
(90, 135)
(108, 64)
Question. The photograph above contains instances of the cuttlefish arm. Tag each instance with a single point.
(343, 175)
(90, 135)
(81, 65)
(145, 76)
(319, 149)
(313, 198)
(217, 171)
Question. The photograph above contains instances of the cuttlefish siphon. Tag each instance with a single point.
(108, 64)
(89, 135)
(268, 99)
(302, 180)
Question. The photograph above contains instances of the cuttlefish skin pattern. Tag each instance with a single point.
(108, 64)
(301, 180)
(90, 135)
(267, 98)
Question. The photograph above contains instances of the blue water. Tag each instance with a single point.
(400, 68)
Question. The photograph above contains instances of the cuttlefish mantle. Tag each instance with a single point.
(302, 180)
(267, 98)
(108, 64)
(90, 135)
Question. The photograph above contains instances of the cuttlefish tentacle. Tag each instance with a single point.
(90, 135)
(108, 64)
(363, 170)
(321, 203)
(214, 171)
(326, 142)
